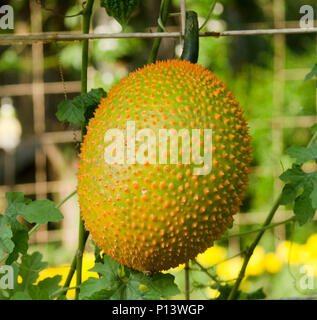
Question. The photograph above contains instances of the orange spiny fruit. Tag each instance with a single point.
(154, 215)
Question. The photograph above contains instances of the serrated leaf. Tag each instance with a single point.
(72, 111)
(108, 270)
(36, 293)
(41, 211)
(16, 204)
(302, 154)
(121, 10)
(91, 287)
(20, 239)
(6, 244)
(117, 283)
(80, 109)
(294, 175)
(157, 286)
(29, 269)
(303, 208)
(51, 284)
(312, 73)
(289, 194)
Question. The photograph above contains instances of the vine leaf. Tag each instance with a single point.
(120, 283)
(80, 109)
(16, 204)
(21, 296)
(6, 244)
(302, 154)
(29, 269)
(41, 211)
(300, 188)
(121, 10)
(20, 239)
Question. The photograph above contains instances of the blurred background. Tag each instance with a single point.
(38, 154)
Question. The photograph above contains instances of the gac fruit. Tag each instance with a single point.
(151, 215)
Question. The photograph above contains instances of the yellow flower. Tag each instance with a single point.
(256, 264)
(229, 269)
(88, 263)
(271, 263)
(212, 256)
(293, 253)
(311, 246)
(212, 293)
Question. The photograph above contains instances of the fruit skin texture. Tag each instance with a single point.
(154, 217)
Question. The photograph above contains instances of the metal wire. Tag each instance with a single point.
(54, 37)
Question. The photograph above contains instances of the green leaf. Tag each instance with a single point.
(289, 194)
(155, 287)
(29, 269)
(121, 10)
(37, 293)
(313, 197)
(50, 285)
(41, 211)
(108, 270)
(72, 111)
(303, 208)
(20, 239)
(302, 154)
(120, 283)
(80, 109)
(295, 175)
(91, 287)
(6, 244)
(16, 204)
(312, 73)
(21, 296)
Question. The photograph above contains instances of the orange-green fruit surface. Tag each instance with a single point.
(152, 217)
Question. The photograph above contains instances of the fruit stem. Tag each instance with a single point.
(191, 38)
(82, 236)
(163, 17)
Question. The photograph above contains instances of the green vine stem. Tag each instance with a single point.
(250, 250)
(163, 17)
(257, 239)
(270, 226)
(82, 237)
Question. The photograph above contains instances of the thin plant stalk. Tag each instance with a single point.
(84, 70)
(163, 17)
